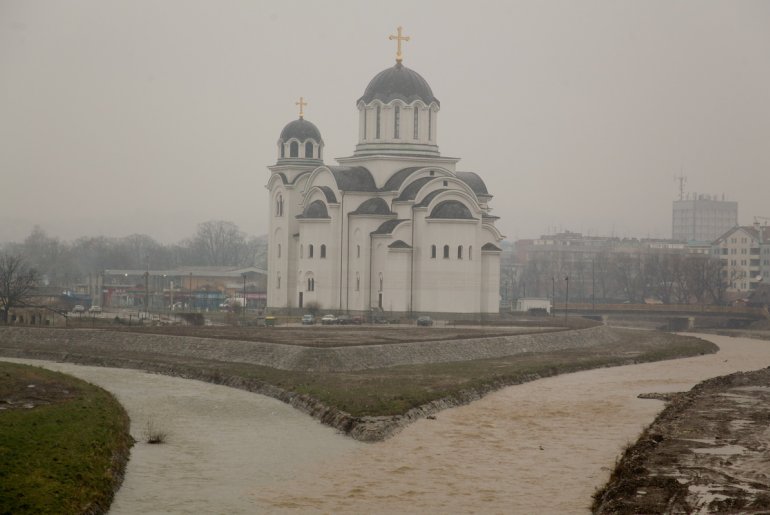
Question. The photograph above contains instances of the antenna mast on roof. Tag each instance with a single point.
(682, 181)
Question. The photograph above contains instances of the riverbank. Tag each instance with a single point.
(64, 443)
(367, 392)
(707, 452)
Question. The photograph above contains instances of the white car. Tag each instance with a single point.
(95, 309)
(79, 309)
(328, 320)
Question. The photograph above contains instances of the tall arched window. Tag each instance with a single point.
(278, 281)
(358, 251)
(279, 250)
(446, 251)
(279, 205)
(430, 124)
(283, 150)
(470, 251)
(310, 251)
(433, 251)
(377, 132)
(397, 121)
(365, 111)
(381, 281)
(323, 251)
(301, 251)
(308, 149)
(294, 149)
(358, 282)
(416, 134)
(459, 252)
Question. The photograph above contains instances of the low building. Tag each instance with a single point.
(744, 252)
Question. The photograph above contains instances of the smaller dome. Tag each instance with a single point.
(302, 130)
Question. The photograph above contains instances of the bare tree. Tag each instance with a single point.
(17, 281)
(220, 243)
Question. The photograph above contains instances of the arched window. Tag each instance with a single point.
(301, 251)
(470, 251)
(358, 282)
(459, 252)
(446, 251)
(308, 149)
(433, 251)
(279, 250)
(278, 281)
(365, 111)
(416, 134)
(294, 149)
(323, 251)
(279, 205)
(310, 251)
(430, 124)
(319, 152)
(380, 281)
(283, 150)
(358, 251)
(377, 132)
(397, 121)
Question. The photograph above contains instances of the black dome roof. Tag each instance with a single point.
(398, 82)
(302, 130)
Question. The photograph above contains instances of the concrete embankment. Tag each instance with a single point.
(57, 343)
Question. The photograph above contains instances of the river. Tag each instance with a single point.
(540, 447)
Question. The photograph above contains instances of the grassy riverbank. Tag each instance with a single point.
(395, 390)
(64, 443)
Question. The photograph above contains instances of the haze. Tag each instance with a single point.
(150, 117)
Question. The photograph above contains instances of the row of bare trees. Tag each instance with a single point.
(62, 263)
(634, 277)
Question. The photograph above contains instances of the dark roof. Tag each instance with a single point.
(373, 206)
(398, 82)
(410, 192)
(329, 193)
(430, 196)
(451, 209)
(316, 209)
(398, 178)
(302, 130)
(474, 181)
(353, 178)
(491, 246)
(387, 227)
(399, 244)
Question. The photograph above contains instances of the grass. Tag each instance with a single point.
(395, 390)
(63, 443)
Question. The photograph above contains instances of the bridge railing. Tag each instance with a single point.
(664, 308)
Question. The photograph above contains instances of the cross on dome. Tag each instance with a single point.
(399, 38)
(301, 105)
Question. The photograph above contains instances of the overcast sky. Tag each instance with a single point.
(121, 117)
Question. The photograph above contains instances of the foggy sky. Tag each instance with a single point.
(121, 117)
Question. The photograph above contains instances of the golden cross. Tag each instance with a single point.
(301, 105)
(399, 39)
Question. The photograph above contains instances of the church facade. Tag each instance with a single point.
(394, 227)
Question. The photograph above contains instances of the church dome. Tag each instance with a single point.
(302, 130)
(398, 82)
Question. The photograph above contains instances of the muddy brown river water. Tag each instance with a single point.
(540, 447)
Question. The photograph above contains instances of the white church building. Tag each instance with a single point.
(394, 227)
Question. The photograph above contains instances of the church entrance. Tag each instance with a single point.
(300, 299)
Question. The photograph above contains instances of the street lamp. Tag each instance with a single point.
(566, 297)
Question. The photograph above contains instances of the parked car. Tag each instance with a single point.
(308, 319)
(329, 320)
(344, 320)
(95, 309)
(424, 320)
(79, 309)
(379, 319)
(358, 320)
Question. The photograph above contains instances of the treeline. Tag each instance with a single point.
(669, 278)
(63, 263)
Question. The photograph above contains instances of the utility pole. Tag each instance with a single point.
(553, 296)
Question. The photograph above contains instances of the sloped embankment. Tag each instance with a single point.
(707, 452)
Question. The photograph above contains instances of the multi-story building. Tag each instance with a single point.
(703, 217)
(745, 255)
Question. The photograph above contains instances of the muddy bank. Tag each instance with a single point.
(707, 452)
